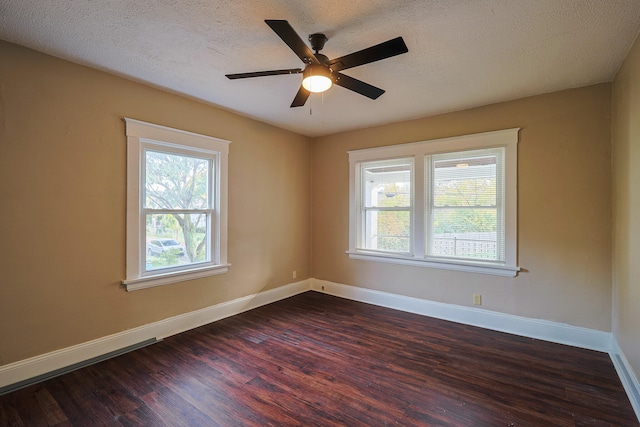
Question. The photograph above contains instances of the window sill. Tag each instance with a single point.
(174, 277)
(466, 266)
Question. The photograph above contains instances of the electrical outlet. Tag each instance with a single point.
(295, 274)
(477, 299)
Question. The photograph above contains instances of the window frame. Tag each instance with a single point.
(366, 208)
(507, 138)
(142, 136)
(431, 207)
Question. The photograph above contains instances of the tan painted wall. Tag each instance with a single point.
(564, 183)
(62, 204)
(626, 202)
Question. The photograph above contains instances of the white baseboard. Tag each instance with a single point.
(523, 326)
(39, 366)
(54, 361)
(627, 376)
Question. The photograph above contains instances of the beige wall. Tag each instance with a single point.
(564, 216)
(62, 192)
(62, 198)
(626, 202)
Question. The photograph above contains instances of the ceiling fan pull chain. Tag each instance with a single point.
(327, 70)
(322, 106)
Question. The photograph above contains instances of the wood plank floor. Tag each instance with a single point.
(318, 360)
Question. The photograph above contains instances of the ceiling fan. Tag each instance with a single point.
(321, 72)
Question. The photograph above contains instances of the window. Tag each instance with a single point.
(176, 205)
(387, 205)
(448, 203)
(466, 211)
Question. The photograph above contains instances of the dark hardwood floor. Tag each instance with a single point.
(317, 360)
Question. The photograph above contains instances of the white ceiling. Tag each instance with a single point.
(462, 53)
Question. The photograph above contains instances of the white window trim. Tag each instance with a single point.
(507, 138)
(139, 133)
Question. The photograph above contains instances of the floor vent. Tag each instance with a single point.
(66, 369)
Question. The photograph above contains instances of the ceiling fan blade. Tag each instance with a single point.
(292, 39)
(380, 51)
(263, 73)
(358, 86)
(301, 97)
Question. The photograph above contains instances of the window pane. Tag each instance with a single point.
(466, 210)
(387, 183)
(465, 181)
(465, 233)
(176, 240)
(175, 182)
(388, 230)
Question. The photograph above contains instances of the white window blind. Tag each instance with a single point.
(465, 205)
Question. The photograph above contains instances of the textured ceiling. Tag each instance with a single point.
(462, 53)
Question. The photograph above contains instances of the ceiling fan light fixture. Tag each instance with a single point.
(316, 78)
(320, 73)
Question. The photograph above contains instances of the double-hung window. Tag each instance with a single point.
(448, 203)
(176, 205)
(465, 210)
(387, 205)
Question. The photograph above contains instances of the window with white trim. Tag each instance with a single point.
(385, 219)
(176, 205)
(448, 203)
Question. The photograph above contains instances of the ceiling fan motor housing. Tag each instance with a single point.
(321, 58)
(317, 41)
(327, 71)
